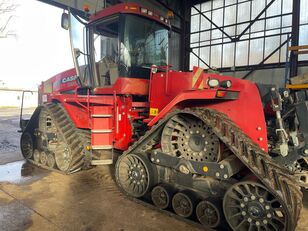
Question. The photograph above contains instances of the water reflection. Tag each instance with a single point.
(20, 172)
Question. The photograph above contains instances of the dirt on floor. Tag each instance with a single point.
(36, 199)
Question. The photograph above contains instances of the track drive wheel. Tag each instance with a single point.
(250, 206)
(208, 214)
(135, 175)
(26, 144)
(183, 204)
(188, 137)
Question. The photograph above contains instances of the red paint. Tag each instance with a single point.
(165, 91)
(246, 111)
(125, 86)
(126, 8)
(168, 90)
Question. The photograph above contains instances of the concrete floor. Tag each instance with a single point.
(35, 199)
(84, 201)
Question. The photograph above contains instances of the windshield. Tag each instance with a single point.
(127, 46)
(143, 43)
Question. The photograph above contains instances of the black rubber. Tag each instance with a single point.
(67, 153)
(135, 175)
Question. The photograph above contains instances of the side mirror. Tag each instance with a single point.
(65, 21)
(154, 69)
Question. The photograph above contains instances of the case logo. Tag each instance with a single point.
(69, 79)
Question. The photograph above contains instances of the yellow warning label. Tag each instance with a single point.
(153, 111)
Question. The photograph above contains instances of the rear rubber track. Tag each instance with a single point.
(278, 180)
(68, 136)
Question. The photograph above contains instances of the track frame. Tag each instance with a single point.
(278, 180)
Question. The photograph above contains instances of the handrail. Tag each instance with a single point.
(22, 105)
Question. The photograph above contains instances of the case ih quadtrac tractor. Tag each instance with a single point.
(209, 148)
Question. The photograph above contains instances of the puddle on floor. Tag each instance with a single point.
(20, 172)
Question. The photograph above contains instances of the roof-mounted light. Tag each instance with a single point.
(152, 14)
(86, 7)
(144, 10)
(170, 14)
(134, 8)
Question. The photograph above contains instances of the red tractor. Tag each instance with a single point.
(206, 147)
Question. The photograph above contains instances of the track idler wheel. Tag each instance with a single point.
(183, 204)
(135, 175)
(250, 206)
(209, 213)
(161, 196)
(63, 158)
(26, 144)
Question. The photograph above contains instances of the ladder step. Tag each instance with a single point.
(102, 116)
(102, 131)
(102, 147)
(101, 162)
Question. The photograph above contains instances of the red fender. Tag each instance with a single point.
(246, 111)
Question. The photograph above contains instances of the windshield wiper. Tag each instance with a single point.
(161, 41)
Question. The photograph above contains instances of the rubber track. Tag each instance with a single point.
(278, 180)
(74, 138)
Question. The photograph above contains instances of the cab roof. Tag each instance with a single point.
(130, 8)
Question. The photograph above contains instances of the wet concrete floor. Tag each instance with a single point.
(35, 199)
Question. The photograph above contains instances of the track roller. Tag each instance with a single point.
(36, 156)
(250, 206)
(51, 160)
(161, 196)
(209, 214)
(183, 204)
(43, 158)
(135, 175)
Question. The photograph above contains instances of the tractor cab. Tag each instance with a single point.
(115, 49)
